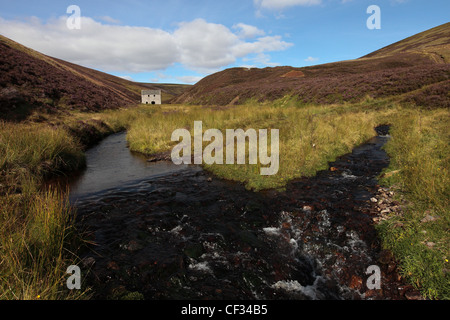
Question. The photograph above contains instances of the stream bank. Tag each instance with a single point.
(183, 234)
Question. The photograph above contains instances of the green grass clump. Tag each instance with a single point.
(419, 236)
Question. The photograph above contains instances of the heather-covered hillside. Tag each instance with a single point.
(416, 70)
(32, 81)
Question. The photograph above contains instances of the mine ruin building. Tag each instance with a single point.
(151, 96)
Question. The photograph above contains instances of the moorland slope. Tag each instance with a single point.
(31, 81)
(416, 69)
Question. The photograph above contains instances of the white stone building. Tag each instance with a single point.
(151, 96)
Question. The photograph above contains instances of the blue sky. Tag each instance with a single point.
(181, 41)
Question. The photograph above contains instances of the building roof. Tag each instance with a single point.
(146, 92)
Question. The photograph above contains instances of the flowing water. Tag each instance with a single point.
(171, 232)
(111, 166)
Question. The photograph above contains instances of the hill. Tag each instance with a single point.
(434, 42)
(32, 81)
(416, 68)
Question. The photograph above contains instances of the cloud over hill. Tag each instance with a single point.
(198, 45)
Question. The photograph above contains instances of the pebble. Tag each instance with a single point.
(429, 244)
(429, 218)
(413, 295)
(112, 265)
(133, 246)
(88, 261)
(356, 283)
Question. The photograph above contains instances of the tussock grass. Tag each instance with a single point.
(35, 224)
(310, 137)
(420, 151)
(38, 150)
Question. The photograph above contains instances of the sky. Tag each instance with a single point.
(182, 41)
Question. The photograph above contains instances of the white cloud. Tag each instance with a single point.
(281, 4)
(248, 32)
(208, 46)
(126, 78)
(97, 45)
(204, 45)
(109, 19)
(198, 45)
(265, 60)
(311, 59)
(189, 79)
(261, 45)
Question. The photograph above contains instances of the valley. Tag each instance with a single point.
(362, 180)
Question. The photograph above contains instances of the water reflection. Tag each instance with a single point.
(111, 165)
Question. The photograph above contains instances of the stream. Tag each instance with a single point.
(176, 232)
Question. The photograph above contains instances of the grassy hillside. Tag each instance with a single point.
(434, 43)
(415, 69)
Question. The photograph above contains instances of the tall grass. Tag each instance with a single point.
(36, 150)
(35, 224)
(34, 235)
(420, 151)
